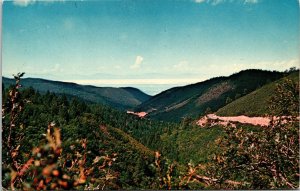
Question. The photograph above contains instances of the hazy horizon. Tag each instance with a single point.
(150, 44)
(151, 87)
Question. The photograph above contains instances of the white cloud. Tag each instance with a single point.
(277, 65)
(212, 2)
(25, 3)
(217, 2)
(200, 1)
(54, 69)
(139, 81)
(251, 1)
(182, 66)
(138, 63)
(228, 69)
(35, 70)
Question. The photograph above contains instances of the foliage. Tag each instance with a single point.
(87, 152)
(256, 103)
(193, 100)
(286, 101)
(269, 158)
(265, 160)
(191, 143)
(46, 167)
(97, 147)
(12, 137)
(259, 159)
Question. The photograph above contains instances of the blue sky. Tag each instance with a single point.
(138, 43)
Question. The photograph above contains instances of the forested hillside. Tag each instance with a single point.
(53, 142)
(208, 96)
(81, 124)
(257, 102)
(119, 98)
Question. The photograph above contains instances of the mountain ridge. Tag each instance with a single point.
(120, 98)
(196, 99)
(173, 104)
(256, 102)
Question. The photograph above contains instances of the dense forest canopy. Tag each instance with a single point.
(52, 141)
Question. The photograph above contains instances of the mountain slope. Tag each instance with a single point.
(87, 137)
(255, 103)
(193, 100)
(121, 98)
(138, 94)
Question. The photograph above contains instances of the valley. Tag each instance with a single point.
(211, 95)
(150, 95)
(181, 129)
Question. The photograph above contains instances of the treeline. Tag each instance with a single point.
(54, 142)
(72, 115)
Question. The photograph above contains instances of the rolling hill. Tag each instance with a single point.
(120, 98)
(195, 99)
(256, 102)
